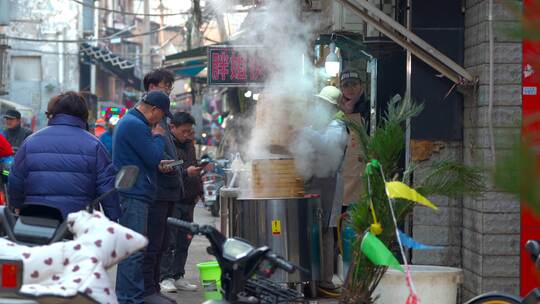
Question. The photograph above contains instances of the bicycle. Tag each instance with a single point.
(533, 297)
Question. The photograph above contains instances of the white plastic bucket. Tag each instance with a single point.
(433, 284)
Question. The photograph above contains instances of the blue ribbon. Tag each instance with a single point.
(409, 242)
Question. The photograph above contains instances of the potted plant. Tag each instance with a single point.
(387, 145)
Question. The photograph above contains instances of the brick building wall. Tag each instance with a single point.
(491, 225)
(441, 227)
(480, 235)
(489, 234)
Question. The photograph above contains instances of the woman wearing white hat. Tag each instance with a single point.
(322, 148)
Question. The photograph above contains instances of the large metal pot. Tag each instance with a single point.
(290, 226)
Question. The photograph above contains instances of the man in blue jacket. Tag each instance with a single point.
(106, 137)
(169, 190)
(138, 140)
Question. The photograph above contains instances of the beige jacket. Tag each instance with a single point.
(353, 167)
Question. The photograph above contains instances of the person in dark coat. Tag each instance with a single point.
(63, 165)
(174, 262)
(14, 132)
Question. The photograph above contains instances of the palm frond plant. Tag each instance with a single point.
(387, 145)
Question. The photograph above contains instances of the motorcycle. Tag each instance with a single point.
(245, 270)
(41, 231)
(212, 183)
(5, 167)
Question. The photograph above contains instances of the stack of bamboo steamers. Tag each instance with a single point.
(275, 177)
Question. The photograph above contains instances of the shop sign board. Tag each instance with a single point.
(236, 66)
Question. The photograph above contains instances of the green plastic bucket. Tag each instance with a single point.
(210, 276)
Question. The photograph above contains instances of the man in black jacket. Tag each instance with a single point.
(14, 132)
(173, 265)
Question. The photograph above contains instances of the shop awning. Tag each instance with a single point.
(112, 63)
(189, 69)
(188, 63)
(410, 41)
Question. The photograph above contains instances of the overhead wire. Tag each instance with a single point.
(130, 56)
(128, 13)
(85, 40)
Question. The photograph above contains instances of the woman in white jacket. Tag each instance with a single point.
(320, 150)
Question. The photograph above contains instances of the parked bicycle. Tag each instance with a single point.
(533, 297)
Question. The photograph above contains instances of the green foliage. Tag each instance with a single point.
(517, 172)
(453, 179)
(387, 145)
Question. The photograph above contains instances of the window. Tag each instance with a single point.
(26, 68)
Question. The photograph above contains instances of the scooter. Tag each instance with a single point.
(39, 225)
(211, 185)
(244, 269)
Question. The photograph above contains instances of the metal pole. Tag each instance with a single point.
(96, 35)
(146, 56)
(373, 111)
(408, 91)
(162, 24)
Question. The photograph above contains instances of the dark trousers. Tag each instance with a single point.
(175, 256)
(157, 242)
(129, 280)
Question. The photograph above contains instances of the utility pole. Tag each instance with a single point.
(161, 8)
(147, 40)
(4, 23)
(93, 72)
(223, 35)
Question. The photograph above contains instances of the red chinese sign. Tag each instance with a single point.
(235, 66)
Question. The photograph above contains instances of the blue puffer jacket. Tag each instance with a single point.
(63, 166)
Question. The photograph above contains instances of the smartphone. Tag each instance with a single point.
(176, 163)
(204, 163)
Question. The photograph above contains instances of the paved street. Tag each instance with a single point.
(197, 254)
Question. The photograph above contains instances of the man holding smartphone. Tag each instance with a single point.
(174, 260)
(137, 143)
(169, 190)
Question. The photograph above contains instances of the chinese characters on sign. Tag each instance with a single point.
(235, 66)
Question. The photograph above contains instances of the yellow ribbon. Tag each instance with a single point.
(401, 190)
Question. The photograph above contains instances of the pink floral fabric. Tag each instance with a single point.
(77, 267)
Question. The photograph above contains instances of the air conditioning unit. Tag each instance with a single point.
(4, 65)
(312, 5)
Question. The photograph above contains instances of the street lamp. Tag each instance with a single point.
(332, 64)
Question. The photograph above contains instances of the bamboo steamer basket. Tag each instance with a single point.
(275, 178)
(273, 117)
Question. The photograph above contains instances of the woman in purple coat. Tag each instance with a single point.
(63, 165)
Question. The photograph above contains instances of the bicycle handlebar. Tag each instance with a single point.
(194, 228)
(280, 262)
(533, 247)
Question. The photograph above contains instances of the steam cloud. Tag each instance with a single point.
(285, 35)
